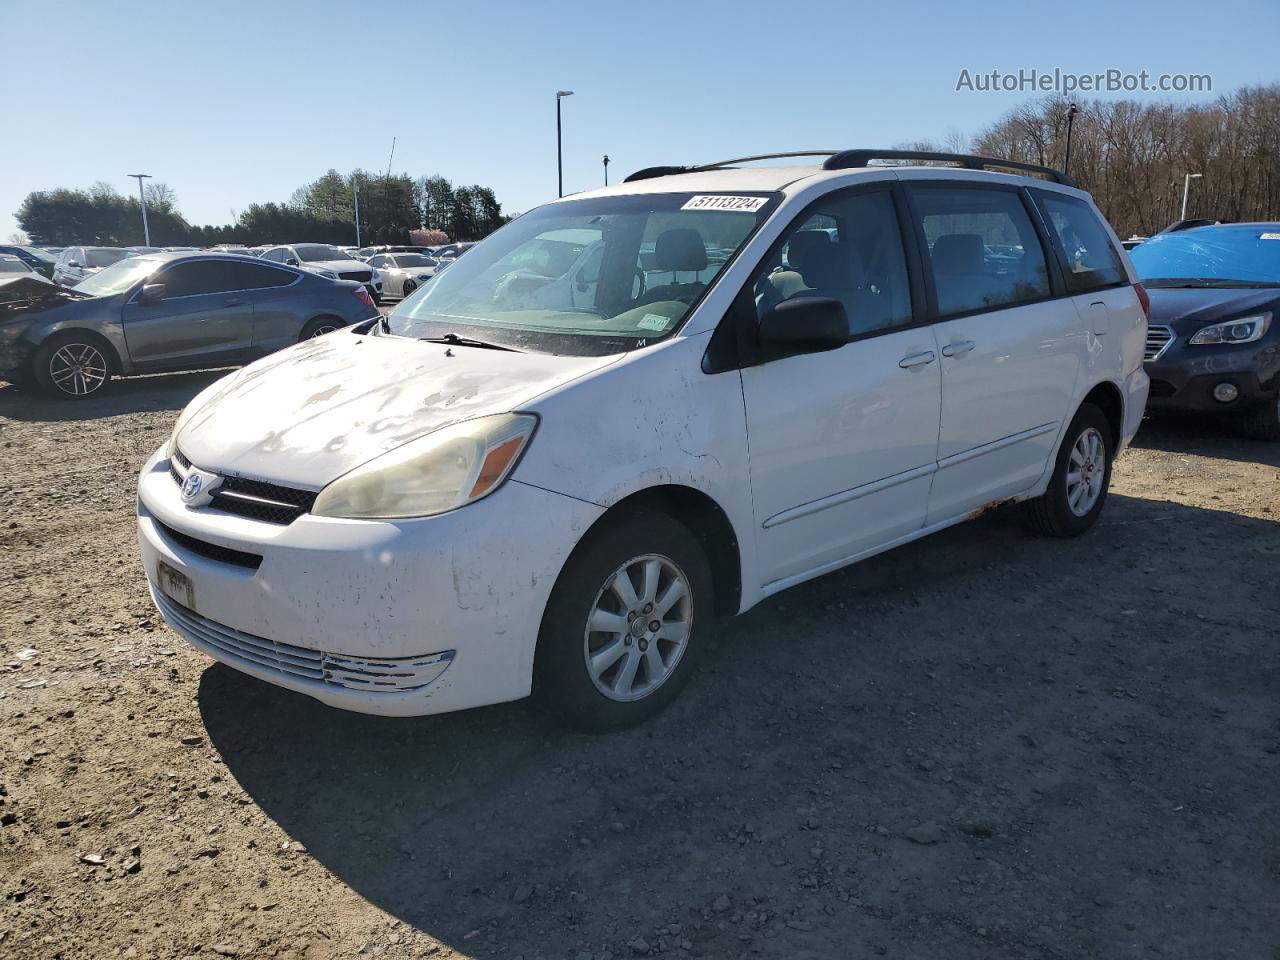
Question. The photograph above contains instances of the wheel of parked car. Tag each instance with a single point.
(625, 623)
(1081, 476)
(72, 366)
(1264, 422)
(408, 288)
(319, 327)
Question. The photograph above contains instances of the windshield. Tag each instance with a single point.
(13, 265)
(103, 256)
(1211, 256)
(313, 252)
(413, 260)
(587, 276)
(118, 277)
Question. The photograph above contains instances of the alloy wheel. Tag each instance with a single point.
(638, 628)
(1086, 472)
(78, 369)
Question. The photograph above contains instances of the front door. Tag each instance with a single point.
(203, 317)
(842, 443)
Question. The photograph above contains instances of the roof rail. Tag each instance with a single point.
(853, 159)
(648, 173)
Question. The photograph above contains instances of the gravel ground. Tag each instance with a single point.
(981, 745)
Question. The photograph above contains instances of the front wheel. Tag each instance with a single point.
(72, 367)
(408, 288)
(1078, 488)
(1264, 422)
(625, 623)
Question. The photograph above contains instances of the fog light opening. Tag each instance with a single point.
(1226, 392)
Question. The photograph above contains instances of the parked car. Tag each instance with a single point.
(1214, 341)
(403, 273)
(171, 311)
(328, 261)
(451, 251)
(471, 499)
(37, 259)
(79, 263)
(12, 266)
(232, 248)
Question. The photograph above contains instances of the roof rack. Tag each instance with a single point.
(648, 173)
(853, 159)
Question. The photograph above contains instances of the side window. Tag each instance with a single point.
(197, 277)
(983, 251)
(251, 276)
(848, 248)
(1091, 259)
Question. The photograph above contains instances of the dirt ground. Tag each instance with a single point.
(983, 745)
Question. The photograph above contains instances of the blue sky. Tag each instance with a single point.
(235, 102)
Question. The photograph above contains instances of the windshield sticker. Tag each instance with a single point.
(653, 321)
(734, 204)
(1270, 236)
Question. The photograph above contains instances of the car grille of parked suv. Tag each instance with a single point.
(369, 674)
(1158, 340)
(364, 276)
(255, 499)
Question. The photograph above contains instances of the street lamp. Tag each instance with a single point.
(1072, 109)
(606, 169)
(142, 197)
(1186, 189)
(560, 94)
(355, 195)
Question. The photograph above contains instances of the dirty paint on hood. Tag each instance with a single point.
(308, 414)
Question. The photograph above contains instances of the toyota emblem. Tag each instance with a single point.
(191, 486)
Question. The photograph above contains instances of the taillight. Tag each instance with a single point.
(363, 296)
(1143, 299)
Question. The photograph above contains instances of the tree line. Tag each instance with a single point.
(324, 211)
(1133, 156)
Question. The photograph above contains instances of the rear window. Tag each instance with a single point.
(103, 257)
(1089, 256)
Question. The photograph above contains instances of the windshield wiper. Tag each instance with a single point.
(1189, 283)
(456, 341)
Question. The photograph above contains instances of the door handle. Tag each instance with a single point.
(917, 360)
(957, 349)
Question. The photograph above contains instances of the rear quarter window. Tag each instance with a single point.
(1089, 258)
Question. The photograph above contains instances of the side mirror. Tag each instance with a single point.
(805, 325)
(74, 264)
(151, 293)
(292, 261)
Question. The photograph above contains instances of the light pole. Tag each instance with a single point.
(355, 193)
(142, 198)
(1071, 120)
(606, 169)
(560, 94)
(1186, 189)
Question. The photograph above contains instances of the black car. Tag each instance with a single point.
(1213, 341)
(39, 261)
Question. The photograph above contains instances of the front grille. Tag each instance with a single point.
(371, 674)
(1161, 389)
(364, 276)
(255, 499)
(1158, 341)
(250, 561)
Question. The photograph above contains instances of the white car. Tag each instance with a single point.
(328, 261)
(474, 499)
(79, 263)
(403, 273)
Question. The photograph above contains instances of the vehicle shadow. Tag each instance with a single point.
(825, 724)
(1204, 435)
(155, 392)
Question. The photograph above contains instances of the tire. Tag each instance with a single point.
(319, 327)
(73, 366)
(1053, 513)
(659, 663)
(1262, 423)
(407, 288)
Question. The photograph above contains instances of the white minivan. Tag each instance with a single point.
(781, 370)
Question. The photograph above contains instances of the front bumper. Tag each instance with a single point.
(365, 597)
(1183, 378)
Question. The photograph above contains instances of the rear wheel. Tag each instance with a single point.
(72, 366)
(1264, 422)
(1078, 488)
(319, 327)
(625, 623)
(408, 288)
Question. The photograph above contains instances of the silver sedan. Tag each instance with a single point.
(403, 273)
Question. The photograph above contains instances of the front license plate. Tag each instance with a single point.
(175, 584)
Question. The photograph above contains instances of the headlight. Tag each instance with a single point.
(328, 273)
(1244, 330)
(439, 472)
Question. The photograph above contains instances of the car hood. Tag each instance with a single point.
(337, 266)
(306, 415)
(1187, 310)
